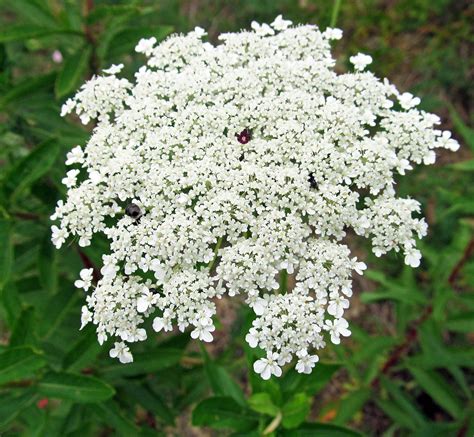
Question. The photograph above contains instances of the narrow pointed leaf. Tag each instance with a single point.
(19, 363)
(77, 388)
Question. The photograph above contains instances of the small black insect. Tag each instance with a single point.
(241, 157)
(312, 181)
(133, 211)
(244, 137)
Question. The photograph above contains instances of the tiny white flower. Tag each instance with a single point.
(336, 328)
(145, 45)
(306, 362)
(408, 101)
(113, 69)
(360, 61)
(161, 323)
(359, 267)
(413, 258)
(182, 199)
(262, 29)
(122, 352)
(58, 236)
(199, 32)
(251, 338)
(429, 158)
(145, 301)
(85, 282)
(75, 156)
(280, 24)
(203, 332)
(95, 177)
(67, 107)
(333, 33)
(86, 316)
(71, 178)
(337, 305)
(268, 366)
(448, 142)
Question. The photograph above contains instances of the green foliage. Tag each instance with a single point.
(408, 367)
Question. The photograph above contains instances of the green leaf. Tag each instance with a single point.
(223, 412)
(401, 399)
(24, 329)
(464, 165)
(47, 266)
(465, 131)
(73, 71)
(13, 403)
(11, 304)
(101, 12)
(33, 11)
(124, 42)
(221, 382)
(397, 414)
(400, 294)
(150, 401)
(26, 89)
(84, 351)
(320, 430)
(22, 32)
(461, 323)
(6, 252)
(295, 410)
(58, 307)
(311, 384)
(262, 403)
(351, 404)
(148, 362)
(439, 390)
(109, 413)
(19, 363)
(77, 388)
(31, 167)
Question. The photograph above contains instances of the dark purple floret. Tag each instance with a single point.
(244, 137)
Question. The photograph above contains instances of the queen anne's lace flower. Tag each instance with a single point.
(221, 166)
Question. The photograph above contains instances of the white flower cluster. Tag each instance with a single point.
(221, 169)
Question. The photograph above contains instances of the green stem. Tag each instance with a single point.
(216, 250)
(335, 12)
(274, 424)
(283, 281)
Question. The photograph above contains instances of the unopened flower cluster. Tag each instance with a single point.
(222, 168)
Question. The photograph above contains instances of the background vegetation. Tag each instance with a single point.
(408, 368)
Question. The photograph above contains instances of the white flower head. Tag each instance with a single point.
(237, 170)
